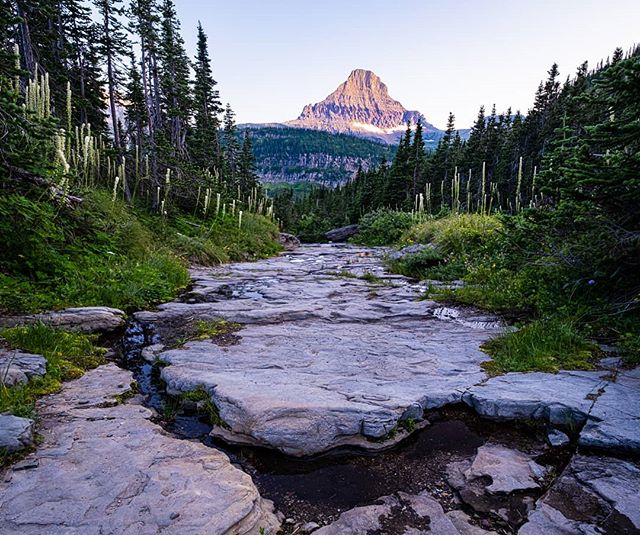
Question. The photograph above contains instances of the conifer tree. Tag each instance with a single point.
(111, 41)
(247, 167)
(231, 151)
(174, 81)
(205, 146)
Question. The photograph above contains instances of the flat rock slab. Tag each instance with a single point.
(81, 319)
(105, 467)
(510, 470)
(17, 367)
(614, 421)
(324, 359)
(15, 433)
(399, 514)
(563, 399)
(593, 495)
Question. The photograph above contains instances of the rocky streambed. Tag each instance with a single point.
(341, 403)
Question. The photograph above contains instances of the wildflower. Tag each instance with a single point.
(591, 282)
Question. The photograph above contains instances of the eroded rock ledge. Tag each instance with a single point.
(104, 467)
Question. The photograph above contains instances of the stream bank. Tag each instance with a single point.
(351, 404)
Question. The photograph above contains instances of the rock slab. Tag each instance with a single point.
(80, 319)
(15, 433)
(593, 495)
(402, 513)
(510, 470)
(17, 367)
(105, 467)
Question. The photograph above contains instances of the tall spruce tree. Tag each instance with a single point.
(205, 145)
(174, 81)
(112, 46)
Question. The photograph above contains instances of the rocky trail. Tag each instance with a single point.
(341, 403)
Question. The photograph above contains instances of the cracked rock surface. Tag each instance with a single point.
(593, 495)
(335, 351)
(79, 319)
(323, 359)
(104, 467)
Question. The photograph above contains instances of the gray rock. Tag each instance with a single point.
(401, 513)
(321, 362)
(562, 399)
(557, 438)
(408, 251)
(150, 353)
(288, 241)
(309, 527)
(509, 469)
(105, 468)
(15, 433)
(84, 319)
(593, 495)
(614, 421)
(342, 234)
(17, 367)
(498, 481)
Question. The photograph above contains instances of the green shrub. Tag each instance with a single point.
(382, 227)
(542, 345)
(461, 234)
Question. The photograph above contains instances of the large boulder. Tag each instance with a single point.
(17, 367)
(81, 319)
(288, 241)
(342, 234)
(15, 433)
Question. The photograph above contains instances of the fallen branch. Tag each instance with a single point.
(54, 190)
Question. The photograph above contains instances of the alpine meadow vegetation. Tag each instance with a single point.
(105, 201)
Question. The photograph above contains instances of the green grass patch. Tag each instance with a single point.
(542, 345)
(208, 408)
(215, 328)
(68, 356)
(382, 227)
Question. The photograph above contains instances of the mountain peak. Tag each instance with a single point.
(361, 105)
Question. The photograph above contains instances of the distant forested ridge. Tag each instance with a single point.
(286, 154)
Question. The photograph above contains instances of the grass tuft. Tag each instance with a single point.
(542, 345)
(68, 356)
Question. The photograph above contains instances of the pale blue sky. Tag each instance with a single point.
(272, 57)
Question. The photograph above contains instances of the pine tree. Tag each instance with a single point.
(417, 159)
(174, 81)
(111, 46)
(205, 145)
(136, 109)
(247, 168)
(231, 149)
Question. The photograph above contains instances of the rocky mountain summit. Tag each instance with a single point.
(362, 106)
